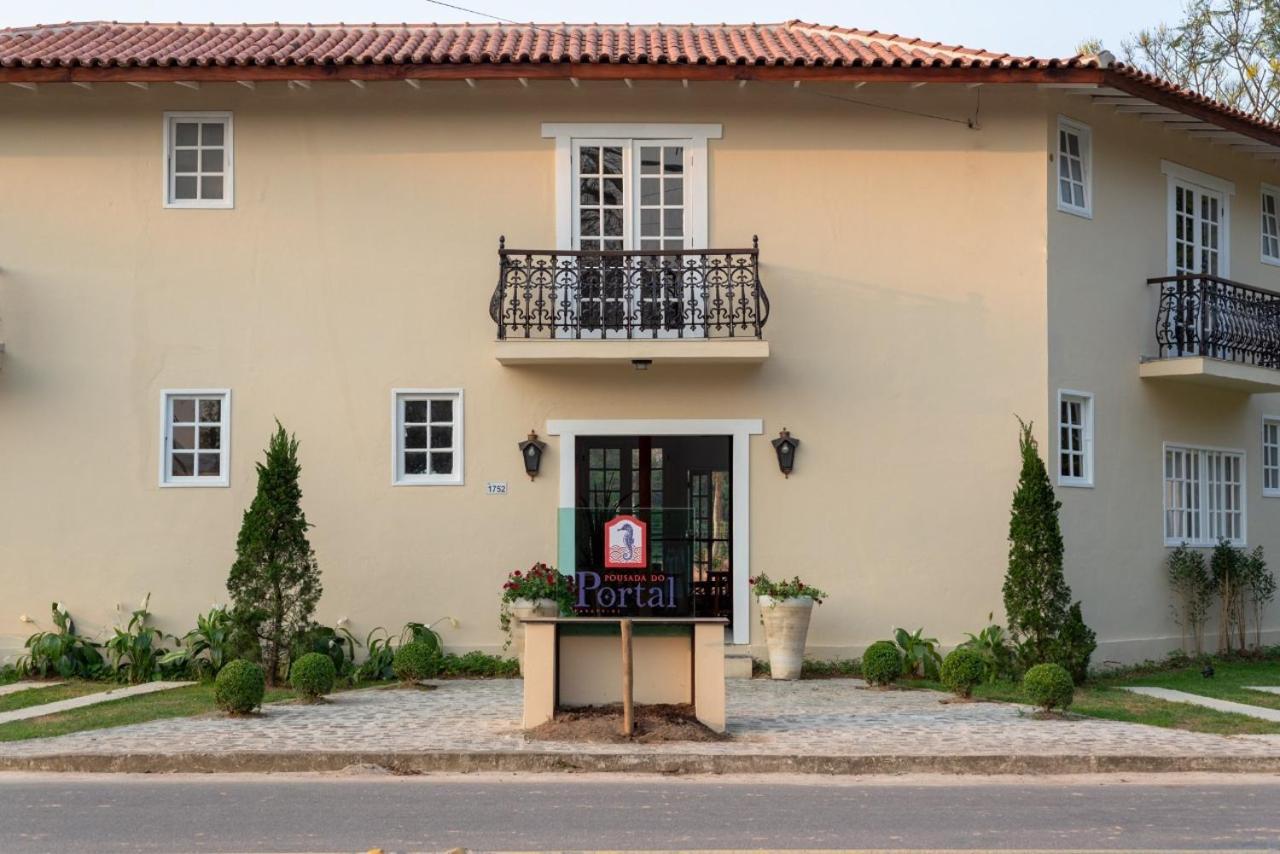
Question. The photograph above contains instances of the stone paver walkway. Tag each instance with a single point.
(1209, 702)
(88, 700)
(809, 718)
(15, 687)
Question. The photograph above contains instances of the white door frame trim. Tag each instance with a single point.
(741, 429)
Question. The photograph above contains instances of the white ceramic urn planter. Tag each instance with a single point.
(786, 625)
(523, 609)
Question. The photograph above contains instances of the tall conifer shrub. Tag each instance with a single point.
(1037, 600)
(275, 582)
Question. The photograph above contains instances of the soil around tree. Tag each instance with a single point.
(603, 724)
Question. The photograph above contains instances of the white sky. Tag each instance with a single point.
(1039, 27)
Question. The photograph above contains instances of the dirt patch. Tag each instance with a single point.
(653, 724)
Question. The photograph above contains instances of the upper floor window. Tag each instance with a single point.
(1075, 438)
(1198, 221)
(1204, 496)
(631, 186)
(196, 437)
(428, 436)
(1075, 167)
(198, 160)
(1271, 456)
(1270, 225)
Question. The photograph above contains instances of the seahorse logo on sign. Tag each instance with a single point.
(626, 543)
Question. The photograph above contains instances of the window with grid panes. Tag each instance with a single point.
(429, 437)
(1271, 457)
(1075, 439)
(196, 434)
(1270, 225)
(198, 160)
(1075, 155)
(1204, 496)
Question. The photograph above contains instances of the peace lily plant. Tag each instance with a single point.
(785, 609)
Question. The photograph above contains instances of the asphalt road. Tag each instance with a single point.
(106, 813)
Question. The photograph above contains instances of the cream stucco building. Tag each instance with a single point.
(207, 229)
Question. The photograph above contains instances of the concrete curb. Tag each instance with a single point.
(645, 763)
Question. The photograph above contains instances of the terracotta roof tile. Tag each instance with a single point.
(791, 43)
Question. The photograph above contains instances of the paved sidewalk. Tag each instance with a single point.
(1263, 712)
(88, 700)
(832, 725)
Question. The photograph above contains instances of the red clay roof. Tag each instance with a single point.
(100, 50)
(792, 43)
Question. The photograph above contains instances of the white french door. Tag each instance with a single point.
(632, 195)
(1198, 230)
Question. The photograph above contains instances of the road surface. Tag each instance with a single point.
(356, 812)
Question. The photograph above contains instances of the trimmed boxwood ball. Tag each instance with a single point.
(881, 663)
(962, 669)
(415, 661)
(239, 687)
(1048, 686)
(313, 675)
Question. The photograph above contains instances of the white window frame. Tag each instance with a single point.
(1270, 421)
(1085, 399)
(1084, 134)
(1204, 497)
(693, 136)
(1201, 182)
(398, 477)
(167, 479)
(228, 175)
(1274, 193)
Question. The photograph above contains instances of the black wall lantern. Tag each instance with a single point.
(531, 451)
(785, 447)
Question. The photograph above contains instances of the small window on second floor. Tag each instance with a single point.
(198, 164)
(1075, 438)
(1075, 168)
(1270, 225)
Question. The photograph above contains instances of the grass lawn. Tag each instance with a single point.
(177, 703)
(1103, 698)
(51, 694)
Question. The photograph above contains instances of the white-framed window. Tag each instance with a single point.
(1199, 221)
(195, 434)
(198, 163)
(1204, 495)
(427, 436)
(1075, 438)
(1075, 167)
(631, 185)
(1271, 456)
(1270, 224)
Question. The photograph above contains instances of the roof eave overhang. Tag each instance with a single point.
(563, 70)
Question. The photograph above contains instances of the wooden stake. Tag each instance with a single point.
(628, 708)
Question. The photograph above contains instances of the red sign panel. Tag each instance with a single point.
(626, 543)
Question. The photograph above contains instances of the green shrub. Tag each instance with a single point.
(478, 665)
(962, 669)
(881, 663)
(239, 687)
(61, 653)
(415, 661)
(1049, 686)
(313, 675)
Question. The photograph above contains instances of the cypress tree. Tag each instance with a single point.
(275, 582)
(1036, 596)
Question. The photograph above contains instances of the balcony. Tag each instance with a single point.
(1213, 331)
(641, 307)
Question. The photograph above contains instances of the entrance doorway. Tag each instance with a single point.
(681, 489)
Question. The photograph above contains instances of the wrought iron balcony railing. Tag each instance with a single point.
(1203, 315)
(685, 293)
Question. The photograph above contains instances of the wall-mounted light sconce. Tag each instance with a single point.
(785, 447)
(641, 364)
(531, 452)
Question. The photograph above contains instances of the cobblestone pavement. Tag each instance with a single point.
(819, 717)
